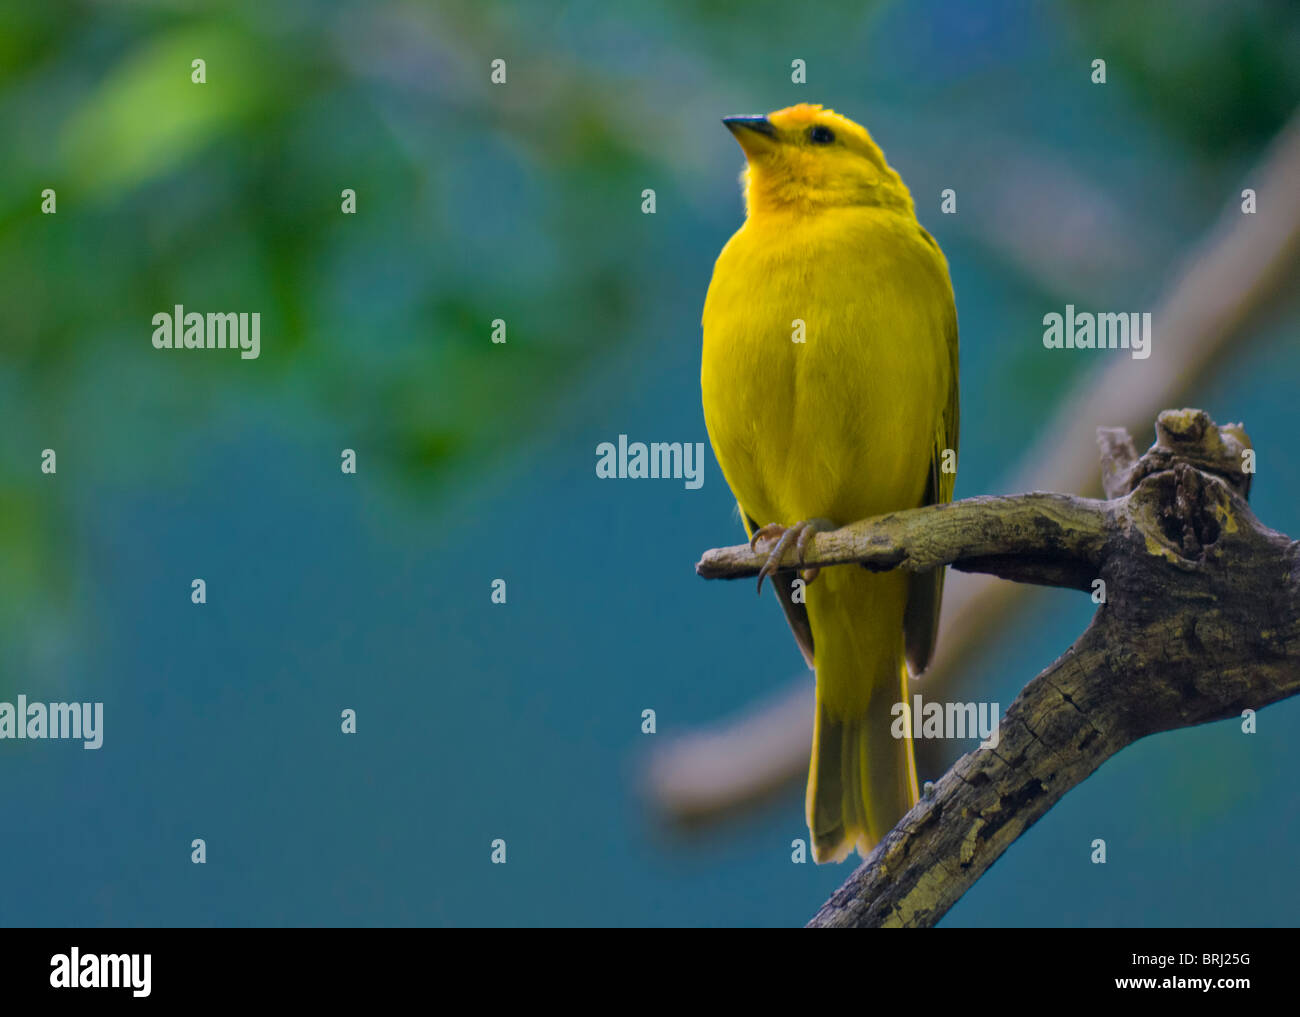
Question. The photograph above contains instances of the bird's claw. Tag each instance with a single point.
(799, 534)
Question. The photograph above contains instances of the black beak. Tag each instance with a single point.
(760, 125)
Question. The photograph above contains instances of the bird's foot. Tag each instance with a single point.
(799, 534)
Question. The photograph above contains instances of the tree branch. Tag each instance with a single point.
(1049, 539)
(1201, 621)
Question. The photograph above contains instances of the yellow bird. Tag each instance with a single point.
(829, 379)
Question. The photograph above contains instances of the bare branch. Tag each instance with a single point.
(1051, 539)
(1201, 622)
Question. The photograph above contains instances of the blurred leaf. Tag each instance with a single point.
(1221, 77)
(147, 116)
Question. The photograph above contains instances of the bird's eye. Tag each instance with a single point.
(820, 135)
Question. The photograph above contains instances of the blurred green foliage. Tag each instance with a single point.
(473, 206)
(1220, 76)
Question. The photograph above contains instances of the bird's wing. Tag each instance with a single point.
(796, 614)
(925, 589)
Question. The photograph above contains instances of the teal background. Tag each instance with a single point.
(476, 461)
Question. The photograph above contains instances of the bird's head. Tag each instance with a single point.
(806, 157)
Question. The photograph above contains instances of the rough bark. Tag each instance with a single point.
(1201, 621)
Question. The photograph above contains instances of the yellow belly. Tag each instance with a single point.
(842, 425)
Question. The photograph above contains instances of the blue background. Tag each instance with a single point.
(326, 592)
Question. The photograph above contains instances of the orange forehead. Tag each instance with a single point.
(806, 114)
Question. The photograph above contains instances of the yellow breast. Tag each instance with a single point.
(826, 364)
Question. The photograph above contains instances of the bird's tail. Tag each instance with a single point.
(862, 779)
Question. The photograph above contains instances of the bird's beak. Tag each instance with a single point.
(759, 124)
(754, 134)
